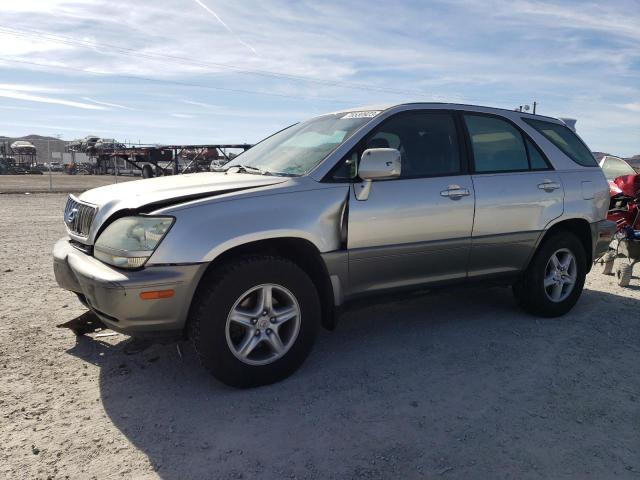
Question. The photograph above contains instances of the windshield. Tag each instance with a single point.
(616, 167)
(300, 148)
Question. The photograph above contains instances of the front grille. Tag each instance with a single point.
(78, 216)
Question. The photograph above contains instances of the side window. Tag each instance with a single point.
(567, 141)
(427, 141)
(497, 145)
(535, 157)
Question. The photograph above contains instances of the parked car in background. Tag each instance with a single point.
(635, 163)
(614, 167)
(35, 170)
(249, 262)
(17, 170)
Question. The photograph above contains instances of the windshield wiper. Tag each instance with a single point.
(256, 171)
(248, 169)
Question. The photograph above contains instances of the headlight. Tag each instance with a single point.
(129, 241)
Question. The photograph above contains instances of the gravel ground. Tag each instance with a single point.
(424, 387)
(60, 182)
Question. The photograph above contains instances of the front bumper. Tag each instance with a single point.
(602, 233)
(114, 294)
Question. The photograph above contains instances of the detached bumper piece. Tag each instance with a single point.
(151, 301)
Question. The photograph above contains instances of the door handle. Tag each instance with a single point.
(548, 186)
(454, 192)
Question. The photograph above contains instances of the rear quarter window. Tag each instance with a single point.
(567, 141)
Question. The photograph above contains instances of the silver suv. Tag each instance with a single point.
(248, 263)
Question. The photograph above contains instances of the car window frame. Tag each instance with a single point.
(567, 154)
(524, 137)
(360, 148)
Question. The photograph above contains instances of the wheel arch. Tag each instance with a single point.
(580, 227)
(300, 251)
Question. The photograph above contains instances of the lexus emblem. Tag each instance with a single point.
(71, 216)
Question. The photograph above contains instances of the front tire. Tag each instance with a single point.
(255, 320)
(553, 281)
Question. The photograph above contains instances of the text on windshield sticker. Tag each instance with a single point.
(365, 114)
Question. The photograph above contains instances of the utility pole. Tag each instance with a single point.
(49, 165)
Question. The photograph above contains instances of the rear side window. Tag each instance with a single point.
(497, 145)
(567, 141)
(535, 157)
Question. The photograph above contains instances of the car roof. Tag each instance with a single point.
(444, 105)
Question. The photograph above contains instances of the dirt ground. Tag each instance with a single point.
(59, 182)
(457, 384)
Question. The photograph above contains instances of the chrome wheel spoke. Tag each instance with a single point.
(251, 341)
(284, 314)
(265, 299)
(549, 280)
(556, 292)
(554, 260)
(275, 342)
(241, 317)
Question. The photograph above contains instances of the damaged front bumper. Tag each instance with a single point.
(115, 294)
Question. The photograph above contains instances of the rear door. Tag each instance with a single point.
(517, 195)
(415, 229)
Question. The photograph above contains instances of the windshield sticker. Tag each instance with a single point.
(365, 114)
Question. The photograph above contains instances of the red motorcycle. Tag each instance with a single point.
(624, 209)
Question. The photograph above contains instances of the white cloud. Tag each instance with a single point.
(573, 57)
(22, 87)
(227, 27)
(16, 95)
(634, 107)
(107, 104)
(200, 104)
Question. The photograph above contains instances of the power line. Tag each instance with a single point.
(32, 33)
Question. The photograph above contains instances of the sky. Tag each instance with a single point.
(209, 71)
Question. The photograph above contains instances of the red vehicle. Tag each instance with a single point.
(624, 204)
(624, 209)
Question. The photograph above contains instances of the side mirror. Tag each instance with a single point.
(377, 164)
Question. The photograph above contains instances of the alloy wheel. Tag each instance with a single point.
(263, 324)
(560, 275)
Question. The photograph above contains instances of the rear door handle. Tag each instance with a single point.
(548, 186)
(454, 192)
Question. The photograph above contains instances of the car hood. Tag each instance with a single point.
(164, 191)
(155, 193)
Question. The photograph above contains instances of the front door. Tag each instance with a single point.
(415, 229)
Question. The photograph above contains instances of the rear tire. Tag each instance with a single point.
(545, 290)
(236, 287)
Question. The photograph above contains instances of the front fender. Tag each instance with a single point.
(203, 232)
